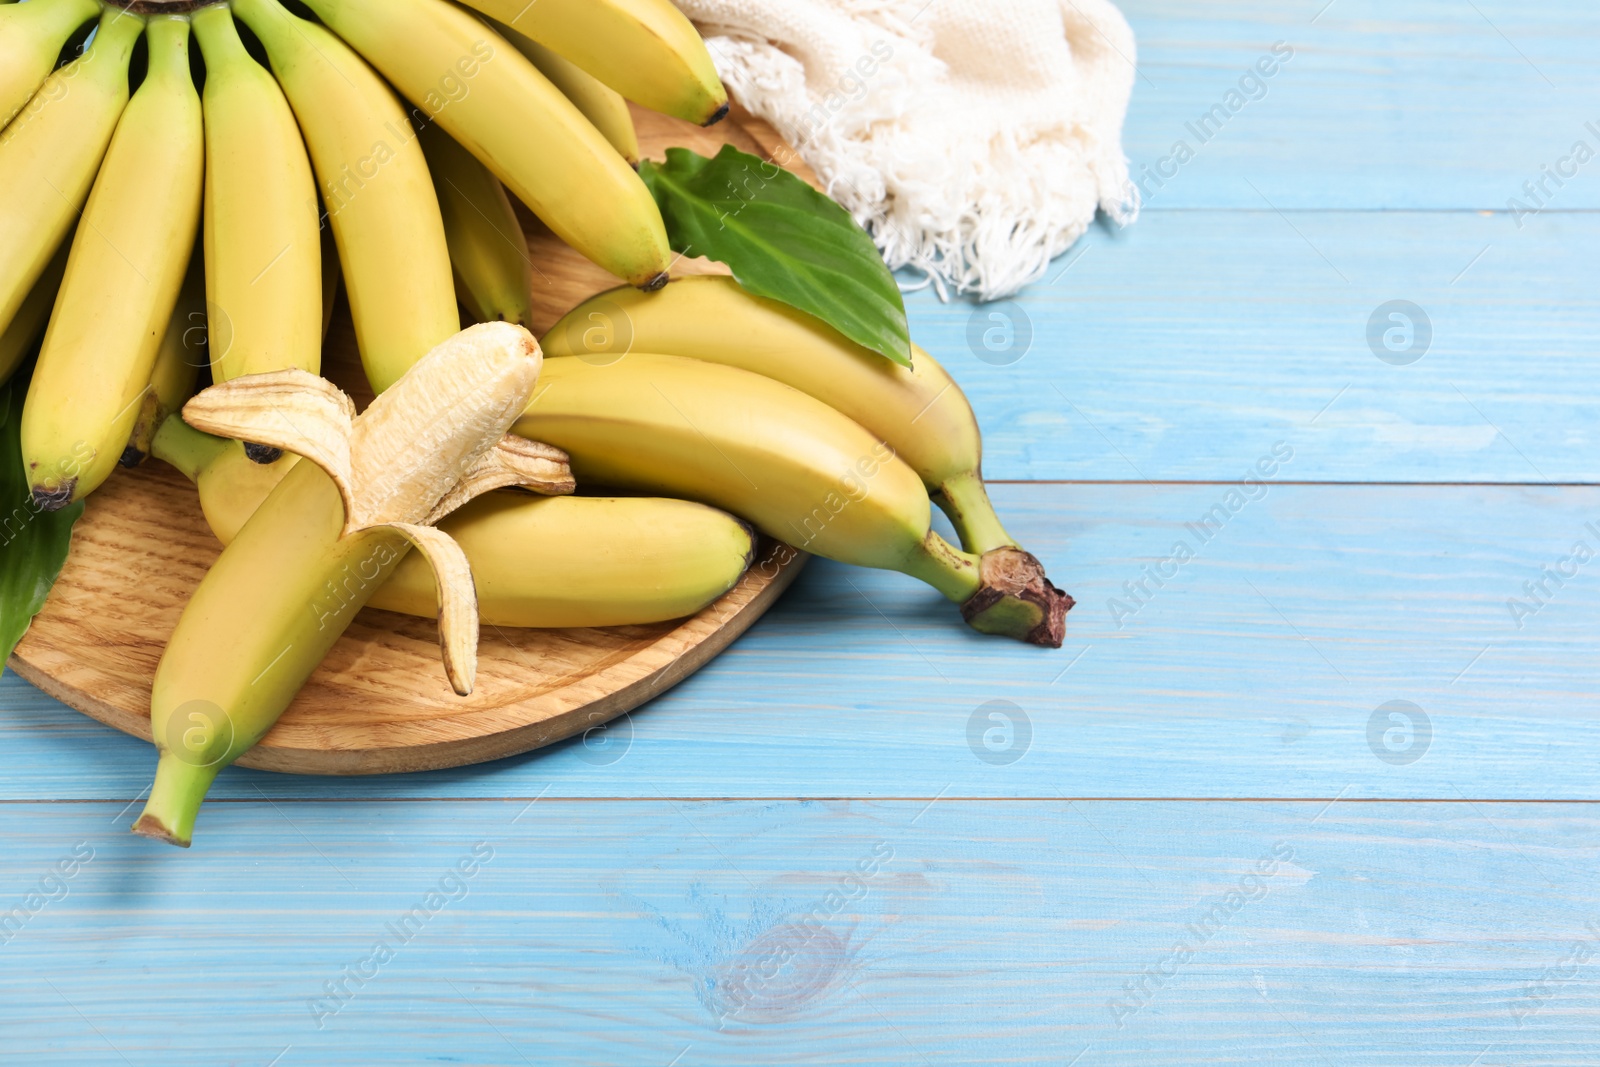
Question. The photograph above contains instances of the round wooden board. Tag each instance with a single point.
(380, 703)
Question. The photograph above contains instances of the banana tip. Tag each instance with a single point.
(54, 498)
(152, 827)
(656, 284)
(266, 455)
(720, 114)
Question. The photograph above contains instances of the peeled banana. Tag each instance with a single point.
(127, 264)
(644, 49)
(794, 467)
(375, 187)
(322, 543)
(919, 410)
(498, 106)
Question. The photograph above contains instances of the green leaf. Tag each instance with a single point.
(783, 240)
(33, 543)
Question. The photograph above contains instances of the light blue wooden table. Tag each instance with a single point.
(1203, 833)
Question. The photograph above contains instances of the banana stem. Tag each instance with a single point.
(186, 448)
(945, 567)
(966, 501)
(175, 798)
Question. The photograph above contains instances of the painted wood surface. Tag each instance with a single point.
(572, 934)
(634, 906)
(1254, 670)
(1170, 350)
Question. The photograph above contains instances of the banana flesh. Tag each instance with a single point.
(919, 410)
(644, 49)
(498, 106)
(375, 187)
(123, 277)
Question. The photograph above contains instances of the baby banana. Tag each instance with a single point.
(26, 326)
(644, 49)
(499, 107)
(375, 188)
(919, 410)
(177, 367)
(488, 250)
(51, 152)
(600, 104)
(31, 38)
(796, 468)
(263, 259)
(127, 266)
(545, 562)
(269, 609)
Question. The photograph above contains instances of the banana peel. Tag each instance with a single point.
(374, 486)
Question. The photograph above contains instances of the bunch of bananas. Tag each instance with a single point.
(220, 167)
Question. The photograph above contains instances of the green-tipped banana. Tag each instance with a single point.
(376, 189)
(127, 266)
(488, 250)
(644, 49)
(793, 466)
(322, 543)
(486, 95)
(263, 256)
(51, 152)
(600, 104)
(178, 362)
(919, 410)
(541, 562)
(31, 38)
(27, 325)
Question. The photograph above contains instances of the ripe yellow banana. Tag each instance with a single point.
(796, 468)
(487, 96)
(17, 339)
(375, 187)
(542, 562)
(178, 363)
(51, 152)
(488, 250)
(919, 410)
(127, 266)
(31, 38)
(316, 550)
(644, 49)
(263, 258)
(600, 104)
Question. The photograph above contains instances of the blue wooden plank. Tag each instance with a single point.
(1256, 669)
(651, 933)
(1380, 104)
(1177, 348)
